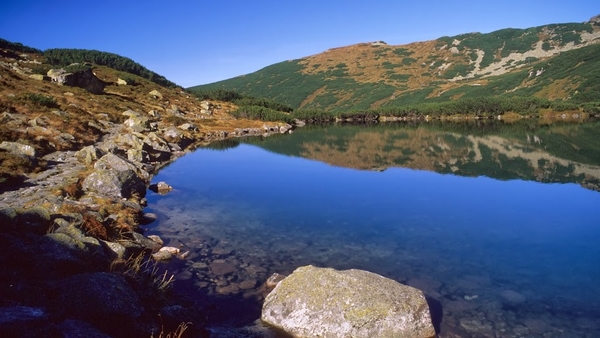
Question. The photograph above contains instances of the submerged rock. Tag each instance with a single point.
(323, 302)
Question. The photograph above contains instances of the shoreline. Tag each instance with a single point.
(63, 227)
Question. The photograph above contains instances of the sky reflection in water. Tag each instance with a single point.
(538, 239)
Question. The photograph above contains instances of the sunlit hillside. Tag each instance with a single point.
(557, 61)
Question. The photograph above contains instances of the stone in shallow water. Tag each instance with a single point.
(221, 268)
(323, 302)
(512, 297)
(247, 284)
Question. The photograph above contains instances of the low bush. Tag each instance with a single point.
(41, 100)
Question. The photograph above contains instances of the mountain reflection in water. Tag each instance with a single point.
(558, 152)
(460, 211)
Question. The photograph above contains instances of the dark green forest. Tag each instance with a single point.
(64, 57)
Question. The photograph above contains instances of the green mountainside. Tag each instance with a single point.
(558, 61)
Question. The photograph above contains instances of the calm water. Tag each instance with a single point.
(459, 212)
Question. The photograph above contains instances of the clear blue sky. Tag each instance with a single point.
(203, 41)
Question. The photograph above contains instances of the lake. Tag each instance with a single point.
(497, 223)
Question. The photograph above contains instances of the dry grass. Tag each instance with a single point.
(94, 227)
(144, 270)
(178, 333)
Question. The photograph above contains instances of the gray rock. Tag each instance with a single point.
(188, 127)
(35, 220)
(8, 218)
(130, 113)
(83, 78)
(113, 162)
(88, 154)
(161, 187)
(23, 321)
(138, 123)
(156, 94)
(68, 229)
(108, 147)
(59, 255)
(323, 302)
(97, 296)
(172, 133)
(114, 250)
(154, 113)
(72, 328)
(175, 111)
(38, 77)
(139, 243)
(156, 143)
(138, 155)
(131, 140)
(18, 148)
(113, 183)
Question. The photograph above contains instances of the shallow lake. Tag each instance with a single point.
(498, 224)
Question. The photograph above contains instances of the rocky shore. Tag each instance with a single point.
(67, 235)
(75, 260)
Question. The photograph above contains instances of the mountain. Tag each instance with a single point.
(557, 61)
(527, 150)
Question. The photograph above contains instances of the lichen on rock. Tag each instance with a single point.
(324, 302)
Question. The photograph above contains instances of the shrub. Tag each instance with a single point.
(42, 100)
(130, 79)
(261, 113)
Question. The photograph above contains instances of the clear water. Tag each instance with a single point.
(496, 258)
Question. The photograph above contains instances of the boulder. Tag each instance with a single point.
(188, 127)
(115, 183)
(323, 302)
(38, 77)
(138, 155)
(113, 162)
(88, 155)
(103, 299)
(35, 220)
(82, 78)
(18, 148)
(8, 217)
(138, 123)
(160, 187)
(116, 177)
(156, 94)
(23, 321)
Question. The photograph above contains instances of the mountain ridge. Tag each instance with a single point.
(374, 74)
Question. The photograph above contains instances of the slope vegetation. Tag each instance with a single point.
(558, 61)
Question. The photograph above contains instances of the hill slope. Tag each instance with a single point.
(558, 61)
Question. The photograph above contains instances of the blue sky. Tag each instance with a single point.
(197, 42)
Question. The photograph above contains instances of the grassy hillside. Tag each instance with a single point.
(558, 61)
(49, 117)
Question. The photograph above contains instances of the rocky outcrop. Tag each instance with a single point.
(83, 78)
(323, 302)
(115, 177)
(104, 299)
(18, 148)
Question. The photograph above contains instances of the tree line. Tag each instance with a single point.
(64, 57)
(269, 110)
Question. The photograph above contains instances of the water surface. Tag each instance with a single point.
(498, 225)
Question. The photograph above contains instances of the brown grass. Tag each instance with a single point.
(93, 227)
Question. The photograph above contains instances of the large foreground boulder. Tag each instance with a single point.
(323, 302)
